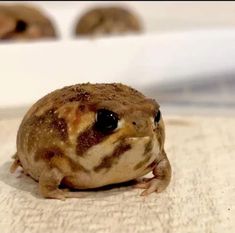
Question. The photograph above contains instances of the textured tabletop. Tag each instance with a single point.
(200, 198)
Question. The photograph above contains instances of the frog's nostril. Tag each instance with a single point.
(21, 26)
(134, 123)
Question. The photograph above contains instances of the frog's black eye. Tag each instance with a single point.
(106, 121)
(21, 26)
(157, 117)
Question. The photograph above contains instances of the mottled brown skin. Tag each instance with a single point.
(109, 161)
(58, 143)
(21, 22)
(107, 20)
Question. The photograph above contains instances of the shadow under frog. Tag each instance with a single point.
(26, 184)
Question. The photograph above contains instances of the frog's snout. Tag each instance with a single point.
(142, 127)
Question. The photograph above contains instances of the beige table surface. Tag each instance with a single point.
(200, 198)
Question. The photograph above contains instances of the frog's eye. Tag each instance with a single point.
(157, 117)
(106, 121)
(21, 26)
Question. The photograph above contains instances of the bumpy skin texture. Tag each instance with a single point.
(58, 143)
(107, 20)
(20, 22)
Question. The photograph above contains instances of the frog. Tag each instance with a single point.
(91, 135)
(107, 20)
(20, 22)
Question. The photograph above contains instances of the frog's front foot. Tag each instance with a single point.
(150, 185)
(161, 179)
(49, 182)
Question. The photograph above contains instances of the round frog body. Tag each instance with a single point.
(91, 135)
(21, 22)
(107, 21)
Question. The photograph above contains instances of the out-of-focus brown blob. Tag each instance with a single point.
(107, 20)
(21, 22)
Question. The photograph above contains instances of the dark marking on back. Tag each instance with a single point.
(60, 125)
(45, 129)
(89, 138)
(47, 153)
(109, 160)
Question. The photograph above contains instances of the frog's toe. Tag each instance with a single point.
(142, 183)
(151, 186)
(55, 194)
(78, 194)
(161, 179)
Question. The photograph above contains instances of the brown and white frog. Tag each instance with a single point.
(91, 135)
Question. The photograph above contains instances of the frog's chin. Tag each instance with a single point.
(128, 159)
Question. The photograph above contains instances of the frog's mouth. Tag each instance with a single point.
(135, 139)
(148, 143)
